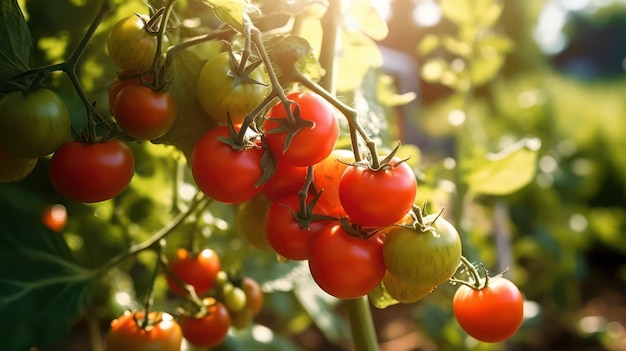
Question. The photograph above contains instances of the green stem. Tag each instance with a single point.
(331, 24)
(362, 325)
(156, 237)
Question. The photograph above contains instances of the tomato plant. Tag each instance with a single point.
(208, 329)
(425, 256)
(222, 92)
(33, 124)
(14, 168)
(492, 313)
(91, 172)
(313, 142)
(405, 292)
(127, 333)
(118, 83)
(284, 232)
(254, 295)
(225, 174)
(376, 198)
(343, 265)
(198, 270)
(143, 113)
(131, 46)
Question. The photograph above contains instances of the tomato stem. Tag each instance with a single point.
(361, 324)
(189, 289)
(132, 250)
(150, 295)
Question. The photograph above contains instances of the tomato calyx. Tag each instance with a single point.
(147, 321)
(288, 126)
(476, 281)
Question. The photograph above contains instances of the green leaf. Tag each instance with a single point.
(17, 41)
(458, 11)
(505, 172)
(232, 12)
(291, 51)
(41, 288)
(369, 19)
(359, 54)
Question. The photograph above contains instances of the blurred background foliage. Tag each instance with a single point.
(550, 72)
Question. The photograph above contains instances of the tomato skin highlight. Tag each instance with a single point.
(33, 125)
(125, 335)
(492, 314)
(143, 113)
(377, 198)
(327, 174)
(209, 330)
(222, 173)
(198, 270)
(91, 172)
(311, 144)
(345, 266)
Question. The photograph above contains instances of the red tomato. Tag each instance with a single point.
(117, 84)
(287, 179)
(126, 333)
(343, 265)
(209, 330)
(491, 314)
(327, 174)
(54, 217)
(311, 144)
(198, 270)
(283, 231)
(143, 113)
(225, 174)
(377, 198)
(91, 172)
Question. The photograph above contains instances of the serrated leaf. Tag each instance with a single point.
(358, 55)
(17, 41)
(289, 51)
(505, 172)
(41, 287)
(369, 19)
(232, 12)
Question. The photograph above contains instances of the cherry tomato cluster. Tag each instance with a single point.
(217, 302)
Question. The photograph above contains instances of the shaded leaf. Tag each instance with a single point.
(17, 41)
(505, 172)
(41, 287)
(290, 51)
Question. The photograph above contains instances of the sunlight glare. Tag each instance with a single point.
(427, 14)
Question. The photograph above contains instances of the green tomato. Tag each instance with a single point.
(234, 297)
(222, 95)
(404, 292)
(14, 168)
(130, 46)
(424, 258)
(33, 125)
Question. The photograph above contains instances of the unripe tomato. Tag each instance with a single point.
(250, 221)
(130, 46)
(126, 334)
(35, 124)
(491, 314)
(405, 292)
(426, 258)
(222, 95)
(234, 297)
(14, 168)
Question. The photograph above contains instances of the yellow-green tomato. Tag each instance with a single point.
(130, 46)
(404, 292)
(33, 124)
(222, 94)
(234, 297)
(424, 258)
(14, 168)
